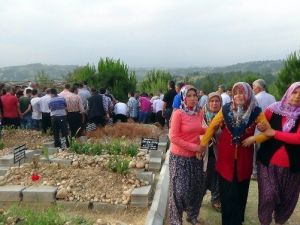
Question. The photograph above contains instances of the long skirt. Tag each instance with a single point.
(186, 181)
(211, 181)
(278, 190)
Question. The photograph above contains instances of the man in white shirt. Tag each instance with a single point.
(225, 97)
(36, 111)
(120, 112)
(264, 99)
(44, 108)
(157, 107)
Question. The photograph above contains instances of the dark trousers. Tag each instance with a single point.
(74, 120)
(46, 122)
(160, 119)
(120, 117)
(11, 122)
(233, 195)
(59, 125)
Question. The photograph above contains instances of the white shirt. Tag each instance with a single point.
(225, 98)
(157, 105)
(44, 103)
(264, 99)
(120, 108)
(36, 111)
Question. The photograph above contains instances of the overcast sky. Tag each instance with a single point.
(152, 33)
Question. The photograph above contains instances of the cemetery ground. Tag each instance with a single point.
(87, 179)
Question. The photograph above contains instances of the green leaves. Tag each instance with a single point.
(155, 81)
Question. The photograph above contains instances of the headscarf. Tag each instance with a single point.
(183, 92)
(243, 112)
(238, 118)
(283, 108)
(209, 115)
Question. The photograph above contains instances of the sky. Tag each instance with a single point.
(152, 33)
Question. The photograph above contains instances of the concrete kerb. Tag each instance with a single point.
(158, 208)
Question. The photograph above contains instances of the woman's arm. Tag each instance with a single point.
(213, 126)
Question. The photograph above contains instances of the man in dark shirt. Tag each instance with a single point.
(168, 102)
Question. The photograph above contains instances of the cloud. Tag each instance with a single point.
(148, 33)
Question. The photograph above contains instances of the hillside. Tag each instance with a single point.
(28, 72)
(57, 72)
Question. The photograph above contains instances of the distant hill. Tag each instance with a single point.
(28, 72)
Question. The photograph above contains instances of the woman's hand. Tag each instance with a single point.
(200, 152)
(248, 141)
(269, 132)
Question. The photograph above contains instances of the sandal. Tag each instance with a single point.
(193, 221)
(217, 206)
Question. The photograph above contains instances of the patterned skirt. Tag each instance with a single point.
(186, 183)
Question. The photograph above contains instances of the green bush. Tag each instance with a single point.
(96, 149)
(115, 147)
(131, 150)
(118, 165)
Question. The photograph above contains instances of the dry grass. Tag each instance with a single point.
(128, 130)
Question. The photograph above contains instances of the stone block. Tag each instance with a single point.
(3, 170)
(43, 194)
(155, 163)
(140, 196)
(49, 144)
(7, 160)
(11, 193)
(66, 162)
(146, 176)
(52, 150)
(155, 154)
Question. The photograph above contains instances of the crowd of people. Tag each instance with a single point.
(219, 141)
(216, 142)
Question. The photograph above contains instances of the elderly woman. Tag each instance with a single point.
(279, 159)
(237, 121)
(210, 109)
(186, 176)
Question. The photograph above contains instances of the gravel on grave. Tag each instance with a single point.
(87, 179)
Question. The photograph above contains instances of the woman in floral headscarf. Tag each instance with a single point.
(185, 169)
(237, 121)
(279, 159)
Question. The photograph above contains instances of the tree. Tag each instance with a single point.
(289, 74)
(83, 73)
(115, 76)
(155, 81)
(43, 80)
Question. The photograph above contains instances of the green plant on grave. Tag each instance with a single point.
(118, 165)
(75, 146)
(45, 152)
(115, 147)
(131, 150)
(1, 144)
(96, 149)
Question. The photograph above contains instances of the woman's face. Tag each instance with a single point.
(191, 98)
(294, 99)
(214, 104)
(238, 97)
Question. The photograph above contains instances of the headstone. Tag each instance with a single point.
(149, 143)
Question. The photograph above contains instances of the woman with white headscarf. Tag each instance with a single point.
(186, 175)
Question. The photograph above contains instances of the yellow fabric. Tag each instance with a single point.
(219, 118)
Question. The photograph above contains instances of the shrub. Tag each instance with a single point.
(115, 147)
(1, 144)
(118, 165)
(131, 150)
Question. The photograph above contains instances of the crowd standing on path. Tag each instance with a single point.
(214, 137)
